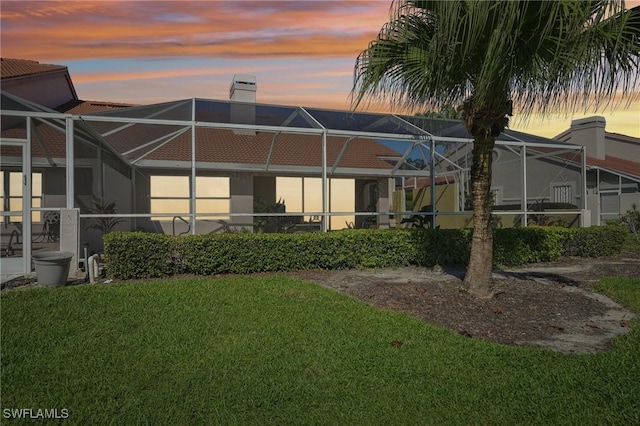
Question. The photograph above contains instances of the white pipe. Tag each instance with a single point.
(93, 267)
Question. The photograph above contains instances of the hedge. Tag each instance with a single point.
(597, 241)
(143, 255)
(137, 254)
(248, 253)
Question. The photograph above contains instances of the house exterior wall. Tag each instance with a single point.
(542, 176)
(241, 191)
(628, 201)
(612, 194)
(142, 192)
(590, 132)
(506, 176)
(54, 190)
(384, 203)
(593, 205)
(622, 146)
(362, 200)
(264, 188)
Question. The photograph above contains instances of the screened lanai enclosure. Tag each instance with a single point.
(200, 166)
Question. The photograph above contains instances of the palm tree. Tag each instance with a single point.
(446, 112)
(490, 57)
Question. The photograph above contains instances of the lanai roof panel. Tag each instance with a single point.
(362, 122)
(175, 110)
(231, 112)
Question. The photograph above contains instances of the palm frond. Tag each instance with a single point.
(544, 55)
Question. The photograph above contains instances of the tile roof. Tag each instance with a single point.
(10, 68)
(616, 164)
(48, 142)
(224, 146)
(220, 146)
(79, 107)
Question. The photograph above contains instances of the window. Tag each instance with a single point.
(562, 193)
(213, 196)
(11, 195)
(289, 190)
(170, 195)
(610, 203)
(304, 195)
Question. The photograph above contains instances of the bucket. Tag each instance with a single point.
(52, 267)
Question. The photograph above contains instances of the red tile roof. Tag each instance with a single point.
(79, 107)
(10, 68)
(616, 164)
(48, 138)
(221, 146)
(224, 146)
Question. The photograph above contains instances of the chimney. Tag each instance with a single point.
(243, 88)
(589, 132)
(243, 93)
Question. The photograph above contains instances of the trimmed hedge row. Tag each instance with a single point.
(142, 255)
(137, 254)
(245, 253)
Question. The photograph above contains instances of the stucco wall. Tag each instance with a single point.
(627, 201)
(542, 174)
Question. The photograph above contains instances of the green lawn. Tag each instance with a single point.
(632, 243)
(276, 350)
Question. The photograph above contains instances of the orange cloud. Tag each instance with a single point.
(96, 77)
(57, 31)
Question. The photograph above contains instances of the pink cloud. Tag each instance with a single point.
(84, 30)
(97, 76)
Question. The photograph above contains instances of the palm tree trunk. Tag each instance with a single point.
(478, 277)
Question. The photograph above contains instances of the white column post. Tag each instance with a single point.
(192, 191)
(26, 200)
(432, 173)
(325, 198)
(583, 152)
(70, 162)
(523, 204)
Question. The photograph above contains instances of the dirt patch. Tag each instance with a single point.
(545, 305)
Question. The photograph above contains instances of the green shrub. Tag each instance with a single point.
(631, 219)
(140, 255)
(518, 246)
(441, 246)
(248, 253)
(137, 255)
(596, 241)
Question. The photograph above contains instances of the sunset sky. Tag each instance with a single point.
(302, 52)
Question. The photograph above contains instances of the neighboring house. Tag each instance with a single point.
(46, 85)
(613, 168)
(43, 84)
(551, 176)
(530, 174)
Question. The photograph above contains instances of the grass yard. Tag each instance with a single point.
(276, 350)
(632, 243)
